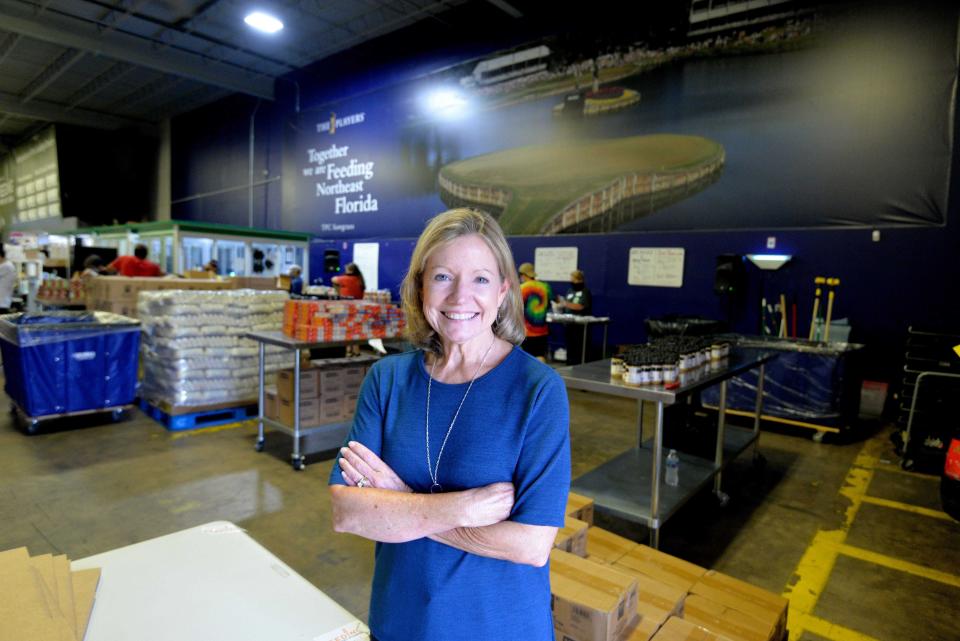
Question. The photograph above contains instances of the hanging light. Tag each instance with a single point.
(263, 22)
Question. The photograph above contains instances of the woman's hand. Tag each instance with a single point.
(488, 504)
(357, 461)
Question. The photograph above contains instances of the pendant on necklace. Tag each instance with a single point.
(436, 488)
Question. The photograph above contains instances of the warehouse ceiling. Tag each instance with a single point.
(118, 63)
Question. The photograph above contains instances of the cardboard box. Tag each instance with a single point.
(658, 601)
(349, 405)
(642, 629)
(331, 382)
(309, 384)
(580, 507)
(764, 606)
(661, 566)
(676, 629)
(606, 547)
(572, 537)
(271, 408)
(591, 602)
(253, 282)
(331, 408)
(309, 412)
(722, 619)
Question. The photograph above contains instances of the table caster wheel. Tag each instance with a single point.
(116, 415)
(33, 426)
(299, 464)
(722, 498)
(259, 445)
(818, 437)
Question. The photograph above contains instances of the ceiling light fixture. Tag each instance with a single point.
(263, 22)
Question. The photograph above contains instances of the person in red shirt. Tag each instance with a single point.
(136, 265)
(351, 283)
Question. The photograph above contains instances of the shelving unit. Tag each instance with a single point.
(927, 411)
(629, 485)
(333, 433)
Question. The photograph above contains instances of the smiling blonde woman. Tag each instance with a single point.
(458, 463)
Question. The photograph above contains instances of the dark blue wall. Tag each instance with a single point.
(907, 278)
(211, 153)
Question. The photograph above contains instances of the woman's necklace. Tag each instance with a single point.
(436, 488)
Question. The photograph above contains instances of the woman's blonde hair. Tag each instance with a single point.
(440, 230)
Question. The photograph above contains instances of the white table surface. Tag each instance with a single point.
(209, 582)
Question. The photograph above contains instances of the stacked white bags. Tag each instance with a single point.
(193, 350)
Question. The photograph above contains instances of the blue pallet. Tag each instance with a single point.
(197, 420)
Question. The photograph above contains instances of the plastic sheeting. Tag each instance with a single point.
(806, 382)
(63, 362)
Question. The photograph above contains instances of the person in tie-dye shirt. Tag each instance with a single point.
(536, 303)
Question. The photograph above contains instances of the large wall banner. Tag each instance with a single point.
(819, 121)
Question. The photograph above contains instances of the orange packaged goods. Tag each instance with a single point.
(750, 611)
(341, 320)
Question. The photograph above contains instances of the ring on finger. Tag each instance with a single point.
(363, 481)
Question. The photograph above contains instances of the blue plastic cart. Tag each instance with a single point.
(65, 363)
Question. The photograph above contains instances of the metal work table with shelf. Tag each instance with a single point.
(629, 485)
(334, 433)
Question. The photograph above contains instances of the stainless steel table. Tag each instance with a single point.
(586, 321)
(335, 433)
(629, 485)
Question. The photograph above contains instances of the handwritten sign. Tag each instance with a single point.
(555, 263)
(656, 266)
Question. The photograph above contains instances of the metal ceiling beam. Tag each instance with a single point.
(80, 34)
(53, 112)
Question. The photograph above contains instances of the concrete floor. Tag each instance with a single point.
(859, 546)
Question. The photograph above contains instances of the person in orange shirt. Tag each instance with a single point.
(351, 283)
(136, 265)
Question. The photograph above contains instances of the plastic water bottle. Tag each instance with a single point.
(671, 474)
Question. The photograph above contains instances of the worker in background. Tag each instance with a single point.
(577, 301)
(350, 284)
(212, 268)
(536, 296)
(8, 281)
(296, 281)
(136, 265)
(92, 267)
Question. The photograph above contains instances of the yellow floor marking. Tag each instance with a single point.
(777, 419)
(907, 507)
(900, 565)
(212, 429)
(185, 507)
(896, 469)
(814, 568)
(832, 631)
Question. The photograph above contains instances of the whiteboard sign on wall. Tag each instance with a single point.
(367, 258)
(656, 266)
(554, 263)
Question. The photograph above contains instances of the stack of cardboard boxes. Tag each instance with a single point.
(625, 591)
(341, 320)
(118, 294)
(328, 392)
